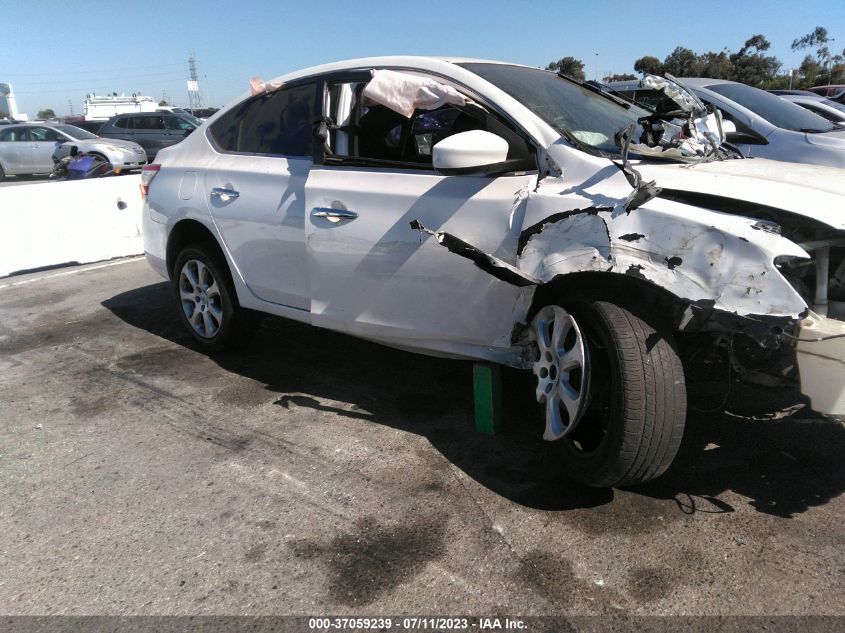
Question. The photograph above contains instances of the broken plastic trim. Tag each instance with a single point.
(643, 192)
(488, 263)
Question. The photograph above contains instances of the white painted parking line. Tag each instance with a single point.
(80, 269)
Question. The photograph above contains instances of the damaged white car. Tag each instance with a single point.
(491, 211)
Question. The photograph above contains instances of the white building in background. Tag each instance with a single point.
(101, 108)
(8, 105)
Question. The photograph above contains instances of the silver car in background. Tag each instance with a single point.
(767, 126)
(824, 107)
(31, 148)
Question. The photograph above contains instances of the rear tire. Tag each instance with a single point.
(207, 302)
(632, 424)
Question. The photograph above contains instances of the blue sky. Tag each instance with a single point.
(53, 52)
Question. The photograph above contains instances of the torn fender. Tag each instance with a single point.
(694, 254)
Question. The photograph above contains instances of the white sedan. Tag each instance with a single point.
(497, 212)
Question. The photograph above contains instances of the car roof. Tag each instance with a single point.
(812, 96)
(421, 62)
(702, 82)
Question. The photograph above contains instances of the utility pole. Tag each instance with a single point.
(70, 106)
(194, 98)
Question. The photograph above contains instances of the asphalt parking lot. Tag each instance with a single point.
(315, 473)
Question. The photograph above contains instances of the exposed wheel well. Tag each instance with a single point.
(188, 232)
(638, 295)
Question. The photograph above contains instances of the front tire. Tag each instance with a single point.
(208, 305)
(629, 397)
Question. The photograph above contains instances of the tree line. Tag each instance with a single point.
(749, 65)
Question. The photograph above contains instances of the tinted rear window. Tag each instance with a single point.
(278, 124)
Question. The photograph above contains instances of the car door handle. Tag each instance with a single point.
(333, 215)
(224, 194)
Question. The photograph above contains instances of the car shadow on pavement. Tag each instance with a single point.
(783, 466)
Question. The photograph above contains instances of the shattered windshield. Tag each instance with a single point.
(590, 118)
(777, 111)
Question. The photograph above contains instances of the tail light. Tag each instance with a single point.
(148, 172)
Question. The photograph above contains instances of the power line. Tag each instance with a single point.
(101, 70)
(100, 80)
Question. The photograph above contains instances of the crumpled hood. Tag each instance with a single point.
(813, 191)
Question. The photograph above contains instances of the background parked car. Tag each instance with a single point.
(151, 130)
(767, 126)
(824, 107)
(829, 90)
(30, 148)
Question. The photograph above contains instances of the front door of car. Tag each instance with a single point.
(44, 142)
(255, 190)
(374, 275)
(177, 129)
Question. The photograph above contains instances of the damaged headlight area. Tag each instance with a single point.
(682, 128)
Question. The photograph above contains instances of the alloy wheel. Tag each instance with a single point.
(201, 300)
(561, 368)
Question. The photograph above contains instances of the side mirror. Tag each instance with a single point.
(471, 153)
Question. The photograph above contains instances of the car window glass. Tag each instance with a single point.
(279, 123)
(152, 122)
(591, 118)
(124, 122)
(10, 135)
(43, 134)
(777, 111)
(177, 123)
(75, 132)
(226, 129)
(816, 110)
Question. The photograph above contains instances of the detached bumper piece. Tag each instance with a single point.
(821, 364)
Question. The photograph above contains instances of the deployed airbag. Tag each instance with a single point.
(404, 93)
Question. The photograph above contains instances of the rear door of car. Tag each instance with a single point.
(151, 133)
(15, 150)
(255, 189)
(371, 272)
